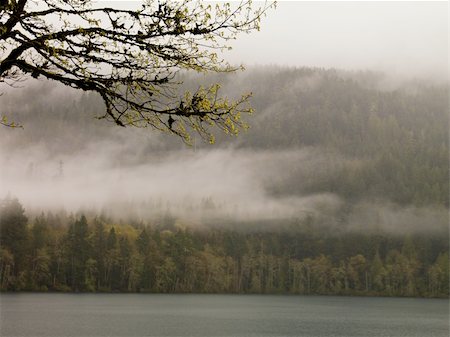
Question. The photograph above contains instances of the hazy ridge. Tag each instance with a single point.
(351, 145)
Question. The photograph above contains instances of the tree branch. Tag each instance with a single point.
(130, 57)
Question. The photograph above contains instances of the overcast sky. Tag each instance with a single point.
(400, 37)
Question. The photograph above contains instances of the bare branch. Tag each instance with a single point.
(130, 57)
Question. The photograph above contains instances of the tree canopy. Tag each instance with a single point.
(130, 57)
(292, 257)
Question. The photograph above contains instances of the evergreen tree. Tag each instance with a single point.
(14, 235)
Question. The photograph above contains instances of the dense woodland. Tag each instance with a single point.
(391, 139)
(377, 142)
(299, 259)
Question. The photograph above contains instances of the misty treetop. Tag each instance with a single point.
(98, 255)
(129, 57)
(369, 139)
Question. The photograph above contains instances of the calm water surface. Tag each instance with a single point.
(76, 315)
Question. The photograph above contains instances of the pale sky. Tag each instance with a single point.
(399, 37)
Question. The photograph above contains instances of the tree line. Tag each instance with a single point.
(98, 255)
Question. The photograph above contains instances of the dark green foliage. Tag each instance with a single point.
(99, 246)
(293, 258)
(78, 252)
(377, 143)
(13, 239)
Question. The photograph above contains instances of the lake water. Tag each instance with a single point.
(86, 315)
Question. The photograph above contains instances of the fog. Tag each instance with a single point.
(207, 185)
(405, 39)
(402, 38)
(75, 162)
(226, 181)
(65, 159)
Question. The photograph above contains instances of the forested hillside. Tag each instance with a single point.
(375, 140)
(394, 143)
(340, 186)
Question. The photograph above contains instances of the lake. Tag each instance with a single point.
(96, 315)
